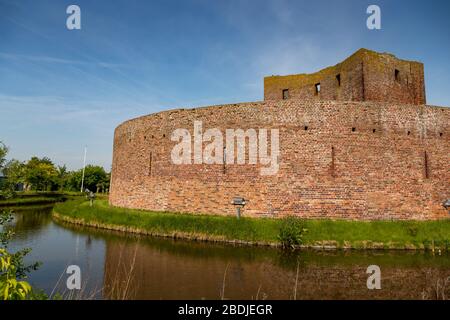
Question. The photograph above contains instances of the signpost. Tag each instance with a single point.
(239, 203)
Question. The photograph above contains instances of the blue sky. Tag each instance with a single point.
(61, 90)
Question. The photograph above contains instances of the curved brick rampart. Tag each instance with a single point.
(351, 160)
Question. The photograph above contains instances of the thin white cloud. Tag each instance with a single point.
(48, 59)
(298, 55)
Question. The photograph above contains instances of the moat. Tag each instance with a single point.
(117, 266)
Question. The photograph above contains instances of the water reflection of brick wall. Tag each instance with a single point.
(196, 273)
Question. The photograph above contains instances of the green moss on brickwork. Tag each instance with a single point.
(304, 79)
(373, 58)
(362, 71)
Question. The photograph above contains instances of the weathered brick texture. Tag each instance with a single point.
(349, 160)
(365, 147)
(364, 76)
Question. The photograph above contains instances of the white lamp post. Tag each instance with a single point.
(84, 166)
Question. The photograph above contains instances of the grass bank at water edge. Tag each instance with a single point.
(428, 235)
(27, 201)
(30, 198)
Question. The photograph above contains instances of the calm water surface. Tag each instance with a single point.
(120, 266)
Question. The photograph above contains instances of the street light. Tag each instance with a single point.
(84, 167)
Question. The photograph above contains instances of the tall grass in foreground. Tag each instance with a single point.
(119, 282)
(433, 235)
(435, 288)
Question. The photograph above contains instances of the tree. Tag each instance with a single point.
(14, 171)
(3, 152)
(94, 178)
(41, 174)
(63, 176)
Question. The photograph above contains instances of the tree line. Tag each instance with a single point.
(41, 174)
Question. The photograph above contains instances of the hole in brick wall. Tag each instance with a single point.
(397, 75)
(338, 79)
(374, 130)
(164, 135)
(145, 137)
(332, 162)
(425, 163)
(153, 136)
(353, 129)
(285, 94)
(440, 134)
(150, 164)
(317, 86)
(306, 128)
(409, 132)
(224, 156)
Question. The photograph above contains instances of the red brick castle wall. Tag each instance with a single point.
(358, 160)
(338, 159)
(364, 76)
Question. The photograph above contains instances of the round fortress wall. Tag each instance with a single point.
(341, 160)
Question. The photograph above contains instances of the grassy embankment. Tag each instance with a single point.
(321, 233)
(33, 198)
(30, 198)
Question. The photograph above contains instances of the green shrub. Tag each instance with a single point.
(413, 229)
(292, 231)
(7, 193)
(12, 267)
